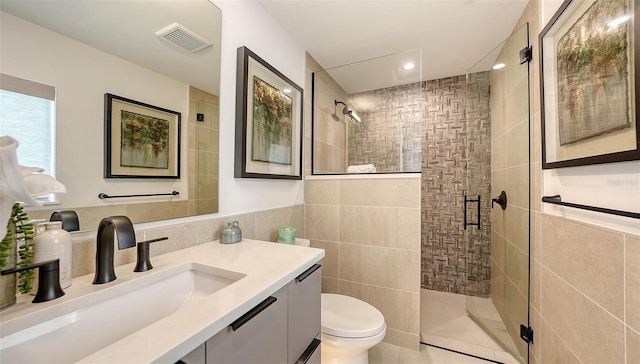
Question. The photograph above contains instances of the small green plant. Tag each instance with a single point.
(24, 238)
(5, 246)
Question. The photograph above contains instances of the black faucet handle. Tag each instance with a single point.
(69, 218)
(48, 279)
(143, 262)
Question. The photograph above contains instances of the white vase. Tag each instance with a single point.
(54, 243)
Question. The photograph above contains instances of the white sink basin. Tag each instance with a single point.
(75, 329)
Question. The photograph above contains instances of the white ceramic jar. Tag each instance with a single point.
(54, 243)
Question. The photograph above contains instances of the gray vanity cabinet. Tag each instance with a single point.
(197, 356)
(304, 316)
(260, 336)
(284, 328)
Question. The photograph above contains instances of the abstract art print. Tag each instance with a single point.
(144, 141)
(588, 80)
(272, 119)
(593, 74)
(268, 121)
(141, 140)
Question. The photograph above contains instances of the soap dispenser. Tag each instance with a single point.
(231, 234)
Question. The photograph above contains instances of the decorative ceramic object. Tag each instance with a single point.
(55, 243)
(231, 234)
(287, 235)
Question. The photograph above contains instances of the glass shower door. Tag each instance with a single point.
(497, 139)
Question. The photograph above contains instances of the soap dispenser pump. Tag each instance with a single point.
(231, 234)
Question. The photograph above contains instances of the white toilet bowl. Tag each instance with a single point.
(350, 327)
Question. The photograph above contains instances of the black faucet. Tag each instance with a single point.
(120, 227)
(143, 263)
(48, 279)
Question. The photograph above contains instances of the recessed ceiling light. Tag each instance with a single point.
(615, 22)
(408, 66)
(287, 90)
(498, 66)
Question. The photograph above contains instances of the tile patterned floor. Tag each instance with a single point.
(445, 323)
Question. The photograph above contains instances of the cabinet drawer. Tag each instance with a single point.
(260, 337)
(304, 311)
(312, 354)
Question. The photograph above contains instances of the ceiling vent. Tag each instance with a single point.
(182, 37)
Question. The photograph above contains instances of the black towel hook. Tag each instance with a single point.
(500, 200)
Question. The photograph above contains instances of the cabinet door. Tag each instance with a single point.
(260, 336)
(304, 311)
(197, 356)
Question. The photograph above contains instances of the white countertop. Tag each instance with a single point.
(268, 267)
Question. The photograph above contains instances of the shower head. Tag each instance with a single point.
(345, 111)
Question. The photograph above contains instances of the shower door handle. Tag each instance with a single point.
(467, 201)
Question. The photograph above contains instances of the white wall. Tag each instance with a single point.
(613, 185)
(247, 23)
(81, 76)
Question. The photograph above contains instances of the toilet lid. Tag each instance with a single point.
(345, 316)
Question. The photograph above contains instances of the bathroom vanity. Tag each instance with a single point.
(211, 303)
(284, 328)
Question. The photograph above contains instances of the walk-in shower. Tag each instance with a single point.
(468, 136)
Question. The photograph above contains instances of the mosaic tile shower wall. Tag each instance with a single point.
(389, 136)
(447, 261)
(479, 182)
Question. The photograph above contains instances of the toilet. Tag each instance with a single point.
(350, 327)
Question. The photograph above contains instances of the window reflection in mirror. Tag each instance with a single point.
(27, 113)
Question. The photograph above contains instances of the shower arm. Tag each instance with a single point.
(345, 111)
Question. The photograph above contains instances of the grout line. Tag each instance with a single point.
(460, 352)
(377, 286)
(561, 339)
(581, 293)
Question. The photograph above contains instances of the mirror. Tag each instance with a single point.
(88, 49)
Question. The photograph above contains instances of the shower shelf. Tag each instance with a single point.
(557, 200)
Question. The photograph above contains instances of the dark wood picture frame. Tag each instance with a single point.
(141, 140)
(600, 143)
(268, 121)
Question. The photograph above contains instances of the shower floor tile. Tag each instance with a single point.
(445, 323)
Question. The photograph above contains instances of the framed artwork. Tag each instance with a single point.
(268, 121)
(141, 140)
(588, 82)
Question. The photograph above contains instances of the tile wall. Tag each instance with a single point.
(370, 230)
(478, 114)
(390, 135)
(585, 280)
(203, 152)
(260, 225)
(510, 173)
(451, 135)
(330, 135)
